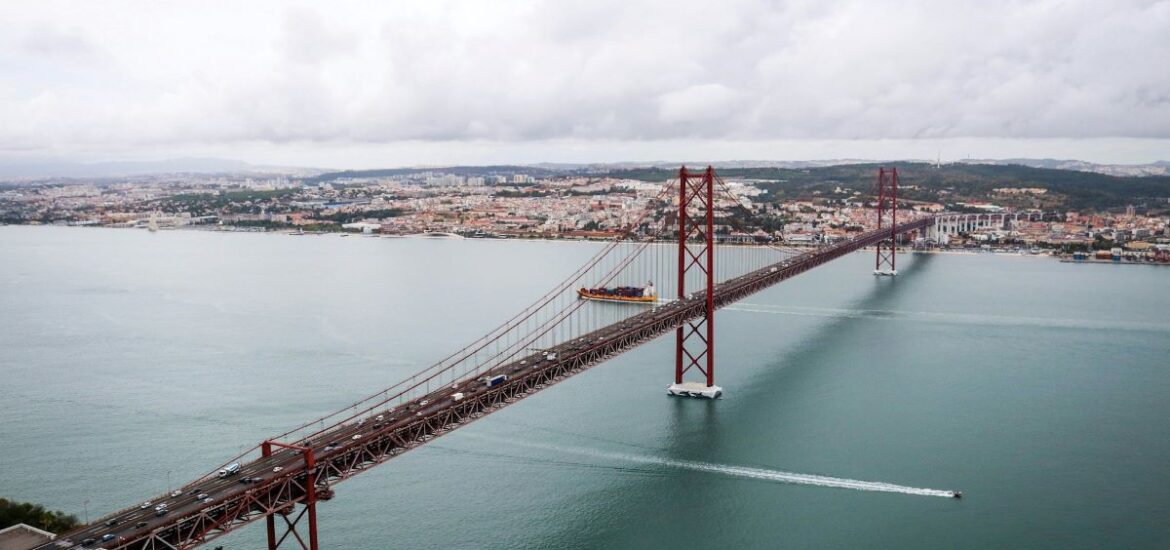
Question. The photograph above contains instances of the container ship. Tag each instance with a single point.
(624, 294)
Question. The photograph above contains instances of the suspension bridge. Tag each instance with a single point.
(663, 273)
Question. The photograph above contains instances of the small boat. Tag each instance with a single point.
(957, 494)
(623, 294)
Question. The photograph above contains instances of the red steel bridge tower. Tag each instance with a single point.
(312, 493)
(887, 214)
(695, 340)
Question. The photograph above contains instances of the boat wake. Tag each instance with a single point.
(763, 474)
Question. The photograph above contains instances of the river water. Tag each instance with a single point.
(131, 361)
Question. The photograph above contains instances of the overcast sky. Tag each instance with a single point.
(361, 84)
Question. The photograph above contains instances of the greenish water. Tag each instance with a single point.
(1039, 389)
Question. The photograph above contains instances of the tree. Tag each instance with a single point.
(35, 515)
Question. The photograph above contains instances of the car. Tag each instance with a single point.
(207, 500)
(277, 468)
(140, 525)
(201, 496)
(329, 448)
(380, 418)
(424, 402)
(145, 505)
(176, 493)
(356, 437)
(161, 512)
(112, 522)
(194, 492)
(88, 541)
(107, 536)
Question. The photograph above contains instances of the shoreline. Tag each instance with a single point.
(222, 229)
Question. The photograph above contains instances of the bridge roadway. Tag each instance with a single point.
(347, 449)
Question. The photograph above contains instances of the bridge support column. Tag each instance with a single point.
(697, 192)
(887, 192)
(309, 512)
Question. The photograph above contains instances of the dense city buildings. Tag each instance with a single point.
(487, 202)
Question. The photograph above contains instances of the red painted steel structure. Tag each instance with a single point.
(310, 501)
(696, 189)
(887, 192)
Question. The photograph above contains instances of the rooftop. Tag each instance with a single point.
(23, 537)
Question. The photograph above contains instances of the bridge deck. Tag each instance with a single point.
(348, 449)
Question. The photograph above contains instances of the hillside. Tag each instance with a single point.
(1067, 189)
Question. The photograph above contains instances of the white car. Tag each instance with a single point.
(357, 437)
(277, 468)
(145, 505)
(176, 493)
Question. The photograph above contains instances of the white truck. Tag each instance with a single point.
(230, 470)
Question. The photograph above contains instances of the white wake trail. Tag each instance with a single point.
(744, 471)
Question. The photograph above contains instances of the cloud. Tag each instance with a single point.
(701, 104)
(49, 40)
(608, 71)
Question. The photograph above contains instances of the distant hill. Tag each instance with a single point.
(18, 170)
(1073, 188)
(1078, 190)
(11, 170)
(500, 170)
(1160, 168)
